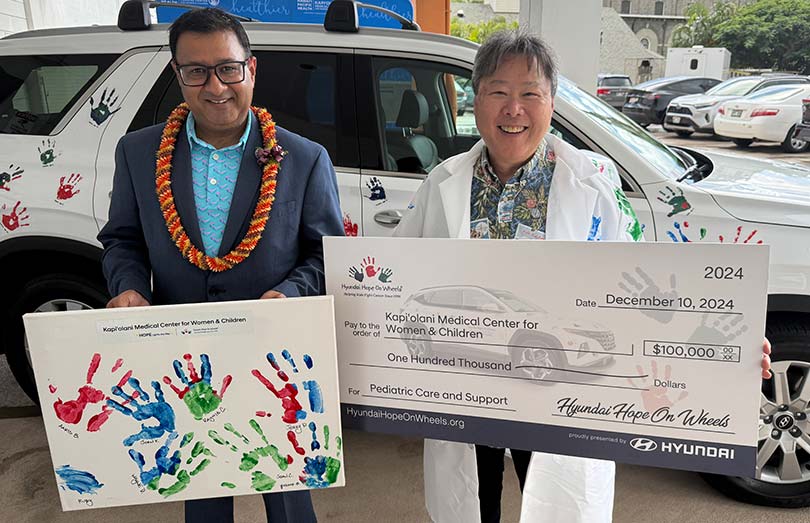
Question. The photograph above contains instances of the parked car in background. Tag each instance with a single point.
(769, 115)
(647, 102)
(461, 99)
(695, 113)
(612, 88)
(803, 129)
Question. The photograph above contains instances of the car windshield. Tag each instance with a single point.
(776, 93)
(515, 303)
(616, 81)
(734, 87)
(640, 141)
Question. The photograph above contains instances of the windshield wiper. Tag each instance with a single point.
(689, 172)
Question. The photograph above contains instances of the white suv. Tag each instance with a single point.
(67, 96)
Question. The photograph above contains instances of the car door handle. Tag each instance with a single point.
(388, 218)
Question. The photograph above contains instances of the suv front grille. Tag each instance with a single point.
(680, 110)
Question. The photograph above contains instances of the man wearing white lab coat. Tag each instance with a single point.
(518, 182)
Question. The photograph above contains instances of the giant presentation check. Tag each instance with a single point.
(640, 353)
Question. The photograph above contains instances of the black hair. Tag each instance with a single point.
(206, 21)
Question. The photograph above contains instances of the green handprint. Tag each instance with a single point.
(47, 153)
(385, 275)
(166, 464)
(198, 395)
(634, 228)
(674, 199)
(103, 110)
(260, 481)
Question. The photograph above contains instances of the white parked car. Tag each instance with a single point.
(68, 95)
(695, 113)
(769, 115)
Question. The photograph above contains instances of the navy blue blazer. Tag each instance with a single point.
(139, 253)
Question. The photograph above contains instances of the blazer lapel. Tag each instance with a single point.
(245, 193)
(183, 189)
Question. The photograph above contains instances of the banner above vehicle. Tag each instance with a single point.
(293, 11)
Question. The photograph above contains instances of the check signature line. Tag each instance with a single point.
(628, 376)
(437, 402)
(513, 346)
(497, 376)
(645, 424)
(702, 311)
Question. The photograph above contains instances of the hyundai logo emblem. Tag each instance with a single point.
(643, 444)
(784, 422)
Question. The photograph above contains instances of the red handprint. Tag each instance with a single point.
(737, 237)
(348, 227)
(15, 219)
(370, 267)
(71, 411)
(67, 189)
(6, 177)
(655, 396)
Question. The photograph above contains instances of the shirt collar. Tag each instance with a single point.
(191, 133)
(540, 155)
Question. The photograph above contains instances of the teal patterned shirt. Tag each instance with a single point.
(214, 173)
(517, 208)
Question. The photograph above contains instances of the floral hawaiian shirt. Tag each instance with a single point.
(517, 208)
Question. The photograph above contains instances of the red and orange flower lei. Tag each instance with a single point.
(261, 213)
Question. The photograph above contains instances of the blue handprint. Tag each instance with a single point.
(102, 111)
(320, 471)
(680, 230)
(595, 234)
(355, 273)
(159, 410)
(166, 464)
(377, 189)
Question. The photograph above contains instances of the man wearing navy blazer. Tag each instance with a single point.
(203, 237)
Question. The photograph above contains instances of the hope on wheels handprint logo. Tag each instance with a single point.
(657, 393)
(369, 268)
(198, 395)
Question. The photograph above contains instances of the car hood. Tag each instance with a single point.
(702, 99)
(764, 191)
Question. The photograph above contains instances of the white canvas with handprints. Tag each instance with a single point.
(178, 402)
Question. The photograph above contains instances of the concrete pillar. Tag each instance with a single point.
(572, 29)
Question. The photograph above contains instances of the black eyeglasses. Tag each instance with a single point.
(228, 73)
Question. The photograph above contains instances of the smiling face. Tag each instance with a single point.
(513, 109)
(220, 110)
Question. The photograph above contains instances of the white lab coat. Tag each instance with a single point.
(558, 488)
